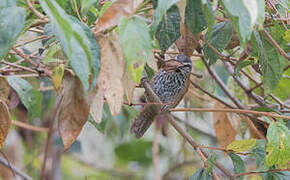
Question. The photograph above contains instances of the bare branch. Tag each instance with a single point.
(29, 127)
(14, 169)
(255, 172)
(35, 11)
(155, 152)
(243, 111)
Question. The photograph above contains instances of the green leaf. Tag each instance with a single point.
(73, 40)
(12, 21)
(104, 8)
(242, 145)
(136, 44)
(242, 65)
(201, 174)
(85, 5)
(99, 126)
(259, 154)
(248, 13)
(278, 146)
(286, 36)
(276, 176)
(162, 7)
(194, 16)
(168, 30)
(57, 75)
(7, 3)
(30, 98)
(209, 16)
(272, 63)
(239, 166)
(282, 89)
(220, 38)
(94, 51)
(211, 160)
(149, 71)
(140, 151)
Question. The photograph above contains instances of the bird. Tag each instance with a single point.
(170, 84)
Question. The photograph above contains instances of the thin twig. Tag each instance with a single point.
(16, 170)
(35, 11)
(254, 172)
(275, 44)
(32, 40)
(243, 111)
(50, 134)
(29, 127)
(155, 152)
(77, 11)
(223, 86)
(210, 95)
(39, 67)
(222, 149)
(18, 66)
(21, 75)
(24, 56)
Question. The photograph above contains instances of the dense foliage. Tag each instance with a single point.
(68, 62)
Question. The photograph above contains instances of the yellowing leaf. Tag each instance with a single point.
(74, 109)
(136, 44)
(114, 13)
(277, 148)
(5, 122)
(136, 71)
(111, 73)
(287, 36)
(57, 75)
(242, 145)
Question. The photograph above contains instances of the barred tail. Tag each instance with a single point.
(143, 121)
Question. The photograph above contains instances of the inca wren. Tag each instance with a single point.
(170, 84)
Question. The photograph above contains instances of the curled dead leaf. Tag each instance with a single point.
(113, 14)
(187, 42)
(110, 79)
(74, 109)
(5, 122)
(225, 130)
(4, 90)
(96, 109)
(234, 42)
(129, 86)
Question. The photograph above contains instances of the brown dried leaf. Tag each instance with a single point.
(152, 62)
(14, 100)
(4, 90)
(74, 109)
(5, 122)
(112, 71)
(187, 42)
(96, 109)
(234, 42)
(224, 130)
(129, 86)
(181, 4)
(113, 14)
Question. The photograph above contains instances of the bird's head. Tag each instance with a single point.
(179, 63)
